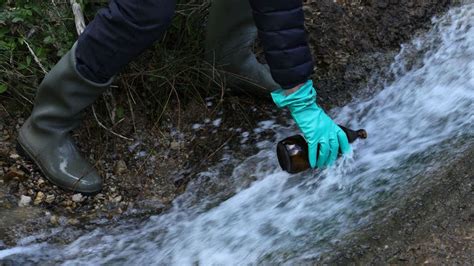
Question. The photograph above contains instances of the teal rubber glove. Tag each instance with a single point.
(316, 126)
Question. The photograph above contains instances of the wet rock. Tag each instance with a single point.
(24, 201)
(39, 198)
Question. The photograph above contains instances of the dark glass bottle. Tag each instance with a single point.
(292, 152)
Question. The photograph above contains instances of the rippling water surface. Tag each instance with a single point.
(427, 110)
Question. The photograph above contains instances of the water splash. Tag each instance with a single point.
(425, 111)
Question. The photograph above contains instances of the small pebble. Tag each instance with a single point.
(99, 196)
(174, 145)
(14, 173)
(24, 201)
(54, 220)
(73, 221)
(217, 122)
(120, 167)
(196, 126)
(39, 198)
(50, 198)
(77, 197)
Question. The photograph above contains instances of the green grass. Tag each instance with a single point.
(35, 34)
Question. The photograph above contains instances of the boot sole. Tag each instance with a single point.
(25, 154)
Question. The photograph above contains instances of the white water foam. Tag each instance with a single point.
(426, 111)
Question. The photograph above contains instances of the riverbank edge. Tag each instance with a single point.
(432, 224)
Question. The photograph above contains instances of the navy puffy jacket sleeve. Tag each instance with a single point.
(281, 30)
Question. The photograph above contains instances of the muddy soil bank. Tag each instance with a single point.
(142, 177)
(432, 224)
(355, 41)
(352, 41)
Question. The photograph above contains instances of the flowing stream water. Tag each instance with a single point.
(422, 116)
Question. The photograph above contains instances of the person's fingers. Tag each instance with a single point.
(333, 149)
(323, 154)
(312, 150)
(344, 145)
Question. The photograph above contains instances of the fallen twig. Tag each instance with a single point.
(106, 128)
(35, 57)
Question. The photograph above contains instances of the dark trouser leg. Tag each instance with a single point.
(119, 33)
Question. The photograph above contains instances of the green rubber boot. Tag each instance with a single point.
(45, 137)
(231, 34)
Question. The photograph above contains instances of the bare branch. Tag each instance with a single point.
(78, 17)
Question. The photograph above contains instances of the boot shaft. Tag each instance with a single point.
(62, 96)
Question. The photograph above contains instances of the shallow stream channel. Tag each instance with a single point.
(422, 117)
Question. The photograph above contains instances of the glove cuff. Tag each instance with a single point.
(303, 97)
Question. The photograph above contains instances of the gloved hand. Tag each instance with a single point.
(316, 126)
